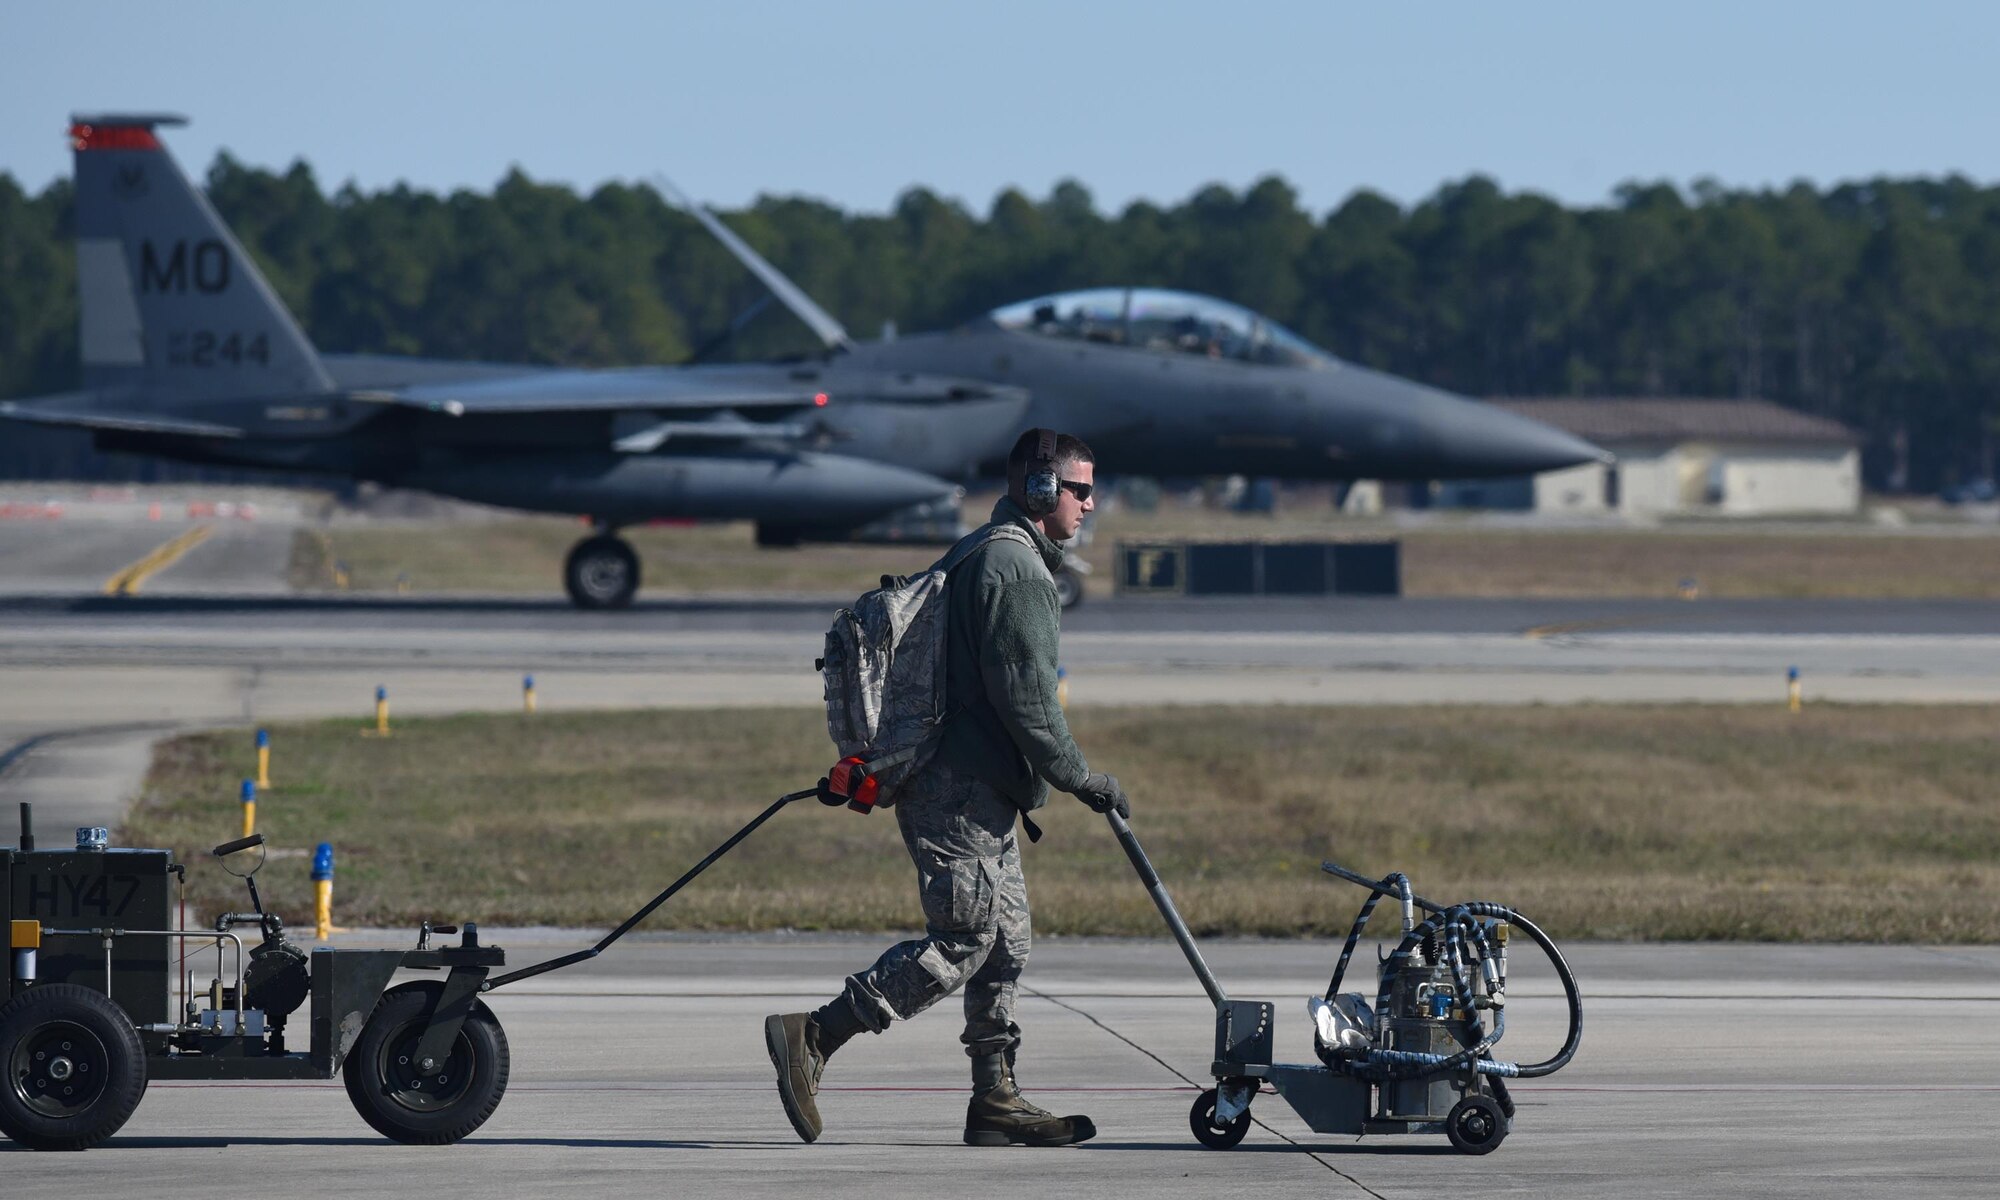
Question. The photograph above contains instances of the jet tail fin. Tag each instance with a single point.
(169, 301)
(829, 331)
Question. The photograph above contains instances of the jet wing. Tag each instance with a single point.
(635, 389)
(68, 410)
(388, 372)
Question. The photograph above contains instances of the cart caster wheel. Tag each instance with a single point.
(1476, 1125)
(74, 1067)
(416, 1107)
(1201, 1119)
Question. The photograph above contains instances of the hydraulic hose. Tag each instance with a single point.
(1395, 1064)
(1560, 1059)
(1353, 938)
(1451, 925)
(1402, 885)
(1403, 1063)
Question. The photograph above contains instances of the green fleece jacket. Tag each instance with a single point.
(1002, 623)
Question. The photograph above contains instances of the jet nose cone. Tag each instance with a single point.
(1491, 441)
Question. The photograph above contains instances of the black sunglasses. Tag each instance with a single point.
(1080, 490)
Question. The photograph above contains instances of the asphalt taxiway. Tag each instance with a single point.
(1714, 1071)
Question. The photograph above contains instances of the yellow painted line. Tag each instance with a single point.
(1600, 623)
(129, 579)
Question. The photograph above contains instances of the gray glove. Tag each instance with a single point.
(1102, 793)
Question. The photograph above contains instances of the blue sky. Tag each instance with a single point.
(856, 101)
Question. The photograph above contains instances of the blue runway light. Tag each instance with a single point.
(263, 738)
(249, 791)
(323, 862)
(381, 693)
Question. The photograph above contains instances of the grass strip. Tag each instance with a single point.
(1676, 822)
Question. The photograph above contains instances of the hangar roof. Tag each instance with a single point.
(1611, 419)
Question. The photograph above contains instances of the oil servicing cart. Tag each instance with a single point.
(1416, 1060)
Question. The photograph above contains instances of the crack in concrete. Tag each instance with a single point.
(1176, 1073)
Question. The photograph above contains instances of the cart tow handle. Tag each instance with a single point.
(1165, 903)
(585, 955)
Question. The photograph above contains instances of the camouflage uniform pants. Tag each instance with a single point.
(960, 835)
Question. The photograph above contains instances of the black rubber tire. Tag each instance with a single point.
(389, 1094)
(83, 1033)
(1201, 1119)
(1476, 1125)
(601, 572)
(1069, 588)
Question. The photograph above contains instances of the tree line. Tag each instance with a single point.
(1876, 303)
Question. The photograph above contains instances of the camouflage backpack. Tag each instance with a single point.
(884, 676)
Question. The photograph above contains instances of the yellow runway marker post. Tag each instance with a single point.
(249, 807)
(322, 875)
(129, 579)
(263, 759)
(527, 693)
(1794, 696)
(381, 714)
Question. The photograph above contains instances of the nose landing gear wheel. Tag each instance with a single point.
(601, 572)
(1069, 588)
(418, 1105)
(1201, 1119)
(1476, 1125)
(74, 1067)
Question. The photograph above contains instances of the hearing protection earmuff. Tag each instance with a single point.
(1042, 488)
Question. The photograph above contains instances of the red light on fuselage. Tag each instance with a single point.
(112, 137)
(819, 399)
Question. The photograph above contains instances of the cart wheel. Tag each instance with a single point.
(1201, 1119)
(421, 1108)
(1475, 1125)
(74, 1067)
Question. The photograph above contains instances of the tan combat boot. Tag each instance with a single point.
(794, 1045)
(1000, 1116)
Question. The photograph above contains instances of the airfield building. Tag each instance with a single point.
(1682, 456)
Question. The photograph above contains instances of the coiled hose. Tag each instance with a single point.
(1453, 926)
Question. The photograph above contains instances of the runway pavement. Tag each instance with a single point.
(1714, 1071)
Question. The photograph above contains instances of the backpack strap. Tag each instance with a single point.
(994, 531)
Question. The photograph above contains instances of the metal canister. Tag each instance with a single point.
(1416, 999)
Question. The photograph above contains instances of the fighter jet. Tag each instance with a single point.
(188, 354)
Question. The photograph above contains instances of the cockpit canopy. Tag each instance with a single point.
(1165, 320)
